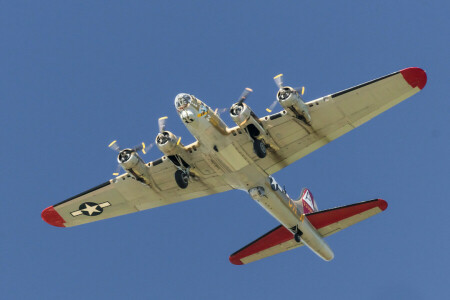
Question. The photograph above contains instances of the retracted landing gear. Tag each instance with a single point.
(182, 177)
(260, 148)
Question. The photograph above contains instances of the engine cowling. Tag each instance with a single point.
(245, 118)
(130, 161)
(292, 102)
(168, 143)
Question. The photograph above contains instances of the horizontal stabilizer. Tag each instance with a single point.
(333, 220)
(327, 222)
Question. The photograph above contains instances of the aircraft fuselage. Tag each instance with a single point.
(211, 132)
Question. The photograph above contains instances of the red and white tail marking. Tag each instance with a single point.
(307, 198)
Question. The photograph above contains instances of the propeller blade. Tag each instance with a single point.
(300, 90)
(220, 111)
(114, 146)
(244, 95)
(272, 106)
(147, 148)
(117, 172)
(162, 123)
(279, 80)
(139, 147)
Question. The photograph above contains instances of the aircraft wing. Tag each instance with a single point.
(327, 222)
(124, 195)
(335, 115)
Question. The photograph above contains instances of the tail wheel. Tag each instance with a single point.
(181, 178)
(260, 148)
(297, 235)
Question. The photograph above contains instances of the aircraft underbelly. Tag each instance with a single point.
(276, 202)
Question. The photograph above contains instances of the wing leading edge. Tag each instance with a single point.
(327, 222)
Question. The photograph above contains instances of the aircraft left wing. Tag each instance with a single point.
(124, 195)
(327, 222)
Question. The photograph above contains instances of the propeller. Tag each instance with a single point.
(279, 82)
(141, 147)
(272, 106)
(220, 111)
(244, 95)
(238, 107)
(117, 171)
(124, 154)
(162, 124)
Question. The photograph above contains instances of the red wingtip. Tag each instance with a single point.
(416, 77)
(52, 217)
(235, 261)
(382, 204)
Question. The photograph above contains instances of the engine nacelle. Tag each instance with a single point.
(244, 117)
(293, 103)
(130, 161)
(169, 144)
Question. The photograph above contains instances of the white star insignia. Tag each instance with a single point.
(91, 209)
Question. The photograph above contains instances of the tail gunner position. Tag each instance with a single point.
(244, 157)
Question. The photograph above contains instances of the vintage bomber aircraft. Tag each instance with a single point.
(244, 157)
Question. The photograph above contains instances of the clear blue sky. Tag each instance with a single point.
(75, 75)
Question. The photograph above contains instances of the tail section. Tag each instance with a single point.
(307, 201)
(326, 222)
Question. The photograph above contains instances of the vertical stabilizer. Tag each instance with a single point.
(307, 200)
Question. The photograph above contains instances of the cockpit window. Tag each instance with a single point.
(182, 101)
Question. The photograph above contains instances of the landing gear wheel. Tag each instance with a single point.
(260, 148)
(181, 178)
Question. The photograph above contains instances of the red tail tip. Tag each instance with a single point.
(416, 77)
(382, 204)
(235, 260)
(51, 216)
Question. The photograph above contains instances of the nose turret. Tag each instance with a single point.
(182, 101)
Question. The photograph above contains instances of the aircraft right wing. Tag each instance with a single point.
(327, 222)
(335, 115)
